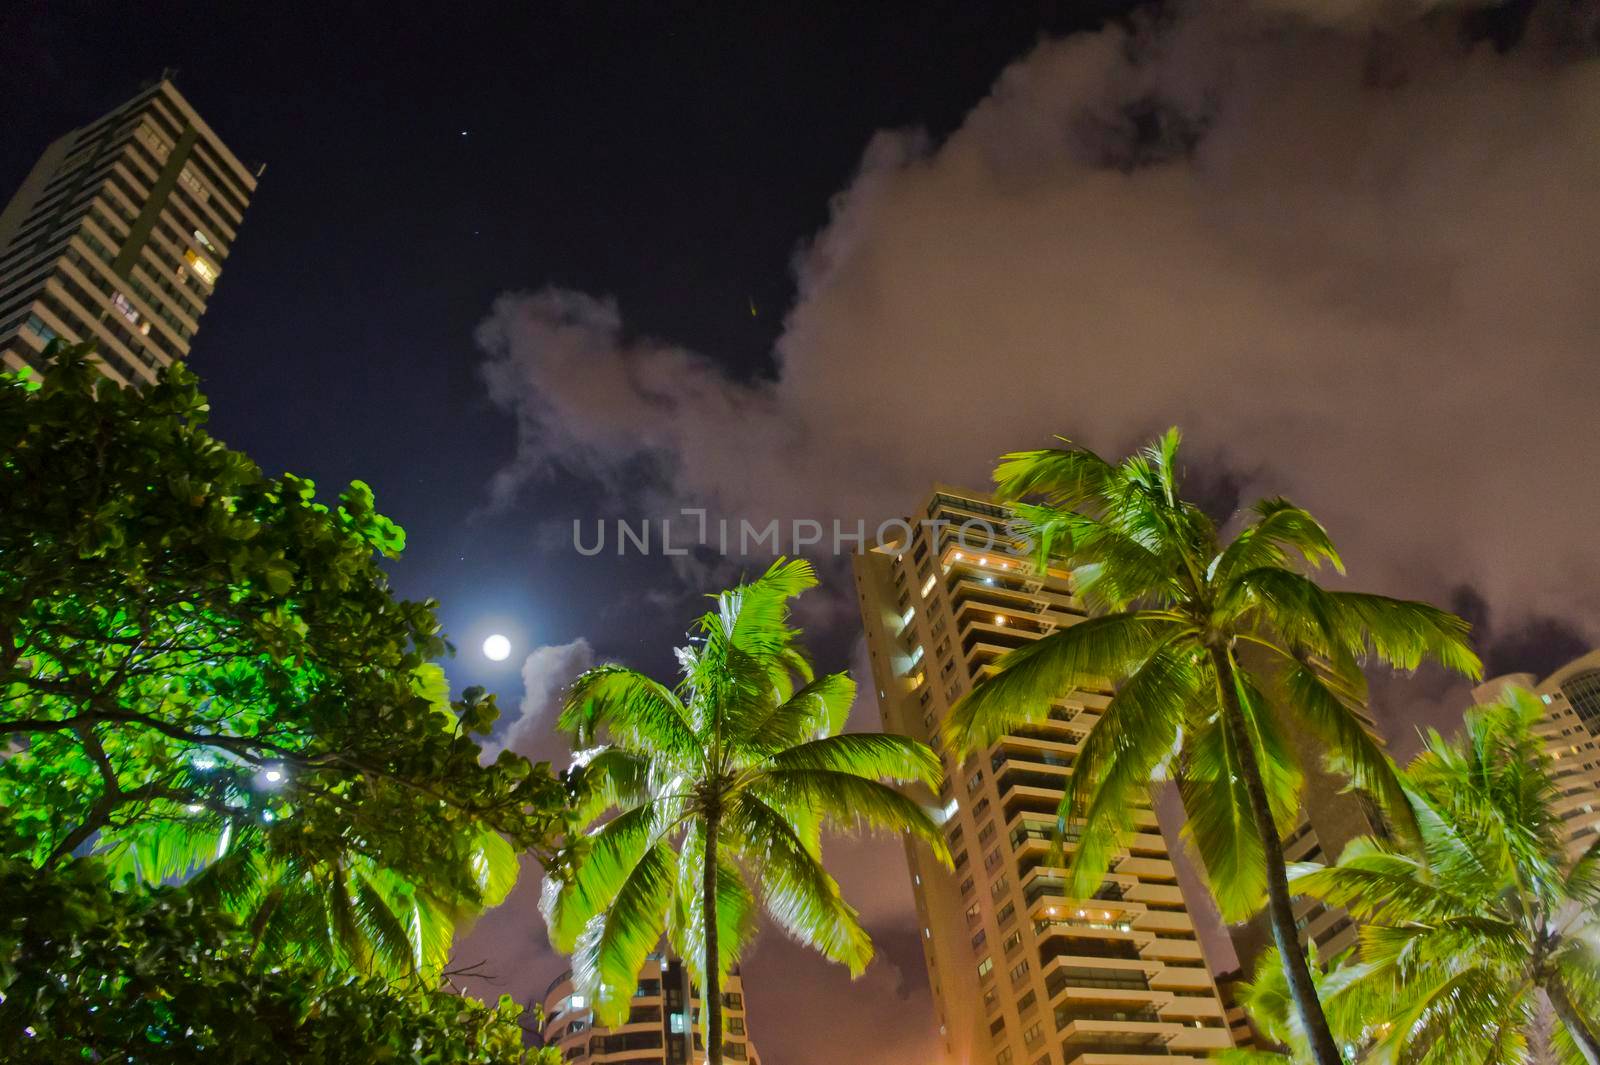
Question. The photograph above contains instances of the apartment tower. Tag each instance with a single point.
(1570, 729)
(664, 1016)
(1023, 973)
(118, 235)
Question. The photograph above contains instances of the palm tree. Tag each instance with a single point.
(718, 790)
(1175, 607)
(1482, 912)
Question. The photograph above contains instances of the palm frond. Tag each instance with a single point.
(818, 708)
(1138, 731)
(795, 889)
(1377, 883)
(1068, 478)
(390, 939)
(1351, 747)
(1278, 528)
(612, 947)
(1582, 884)
(609, 778)
(638, 712)
(849, 802)
(1093, 654)
(1403, 633)
(608, 856)
(872, 755)
(1219, 824)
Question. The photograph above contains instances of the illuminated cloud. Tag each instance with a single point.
(1357, 265)
(546, 673)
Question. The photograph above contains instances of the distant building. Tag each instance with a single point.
(1023, 973)
(665, 1013)
(118, 235)
(1571, 731)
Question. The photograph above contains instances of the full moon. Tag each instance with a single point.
(497, 648)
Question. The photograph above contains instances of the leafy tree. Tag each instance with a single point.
(1482, 912)
(721, 787)
(204, 673)
(89, 972)
(1175, 606)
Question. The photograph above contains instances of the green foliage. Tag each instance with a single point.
(204, 674)
(89, 972)
(1482, 914)
(1217, 651)
(1354, 999)
(744, 752)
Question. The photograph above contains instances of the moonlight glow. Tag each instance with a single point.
(497, 648)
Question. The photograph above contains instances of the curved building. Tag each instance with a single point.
(664, 1017)
(1571, 730)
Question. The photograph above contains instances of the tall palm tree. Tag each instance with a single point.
(1175, 606)
(717, 791)
(1482, 912)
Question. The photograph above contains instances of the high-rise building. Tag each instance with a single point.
(1023, 973)
(118, 235)
(1239, 1025)
(1571, 731)
(664, 1016)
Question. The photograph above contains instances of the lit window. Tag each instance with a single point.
(124, 308)
(202, 269)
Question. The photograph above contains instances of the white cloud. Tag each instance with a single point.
(1358, 265)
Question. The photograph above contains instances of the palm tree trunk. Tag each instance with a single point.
(1280, 905)
(711, 993)
(1577, 1025)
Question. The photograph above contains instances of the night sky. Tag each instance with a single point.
(804, 260)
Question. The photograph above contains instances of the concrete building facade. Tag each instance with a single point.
(663, 1026)
(1022, 972)
(119, 235)
(1571, 731)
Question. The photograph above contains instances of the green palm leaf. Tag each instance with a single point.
(608, 856)
(636, 710)
(1474, 916)
(1136, 733)
(1088, 656)
(872, 755)
(796, 890)
(612, 947)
